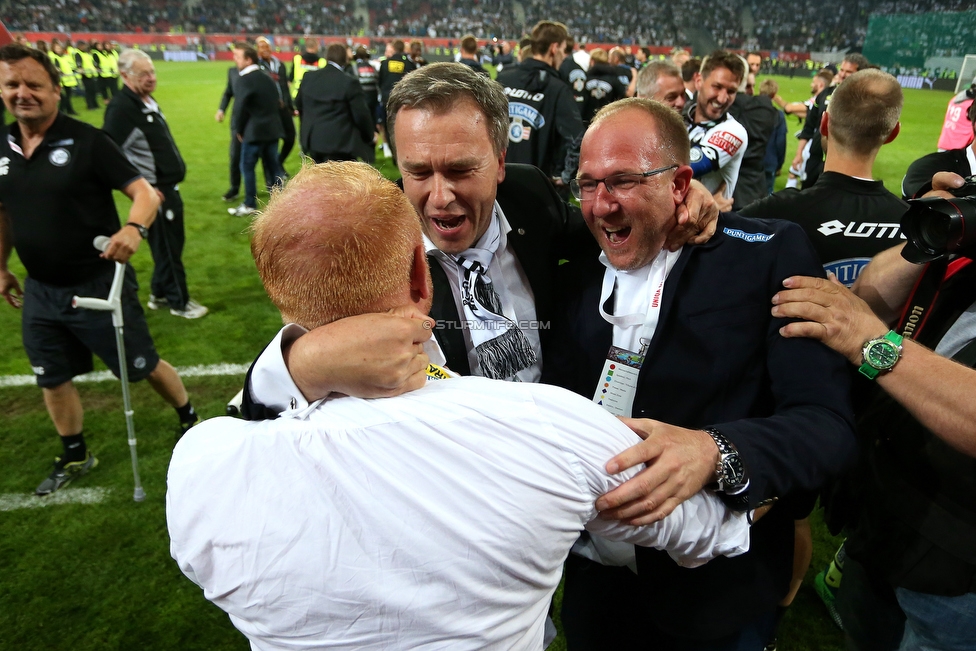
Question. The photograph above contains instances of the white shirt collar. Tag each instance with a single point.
(248, 70)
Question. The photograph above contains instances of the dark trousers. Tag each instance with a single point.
(267, 151)
(602, 609)
(91, 91)
(288, 143)
(166, 238)
(235, 167)
(108, 87)
(65, 106)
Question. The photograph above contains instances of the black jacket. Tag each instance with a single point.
(335, 118)
(145, 138)
(758, 115)
(544, 118)
(574, 76)
(602, 87)
(393, 70)
(275, 69)
(256, 115)
(920, 173)
(717, 359)
(233, 74)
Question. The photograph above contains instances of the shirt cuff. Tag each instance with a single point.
(271, 383)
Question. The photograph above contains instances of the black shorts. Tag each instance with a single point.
(60, 339)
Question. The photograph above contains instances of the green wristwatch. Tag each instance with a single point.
(880, 355)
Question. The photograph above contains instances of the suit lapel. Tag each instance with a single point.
(444, 311)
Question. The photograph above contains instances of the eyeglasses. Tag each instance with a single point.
(616, 184)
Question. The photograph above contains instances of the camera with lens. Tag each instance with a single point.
(937, 227)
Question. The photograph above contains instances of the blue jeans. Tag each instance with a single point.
(937, 623)
(267, 151)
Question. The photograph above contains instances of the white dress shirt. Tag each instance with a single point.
(439, 519)
(513, 289)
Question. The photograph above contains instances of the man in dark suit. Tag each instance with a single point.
(733, 403)
(233, 74)
(275, 69)
(257, 124)
(336, 124)
(450, 129)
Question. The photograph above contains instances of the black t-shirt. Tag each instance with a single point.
(61, 199)
(849, 220)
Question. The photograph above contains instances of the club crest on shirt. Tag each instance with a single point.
(59, 157)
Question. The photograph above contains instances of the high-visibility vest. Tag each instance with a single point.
(112, 58)
(106, 64)
(88, 64)
(63, 64)
(299, 68)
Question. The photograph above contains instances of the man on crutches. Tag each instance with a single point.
(56, 181)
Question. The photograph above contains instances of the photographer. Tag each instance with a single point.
(913, 529)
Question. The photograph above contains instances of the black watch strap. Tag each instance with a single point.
(143, 231)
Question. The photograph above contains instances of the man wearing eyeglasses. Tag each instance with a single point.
(685, 341)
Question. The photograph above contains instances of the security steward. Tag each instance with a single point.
(544, 117)
(308, 60)
(135, 122)
(66, 70)
(85, 62)
(56, 181)
(392, 69)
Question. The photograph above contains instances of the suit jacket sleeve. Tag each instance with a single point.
(810, 435)
(228, 92)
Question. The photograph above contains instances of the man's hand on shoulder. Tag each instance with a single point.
(680, 462)
(828, 312)
(367, 356)
(696, 220)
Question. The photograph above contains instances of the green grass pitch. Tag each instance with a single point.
(99, 576)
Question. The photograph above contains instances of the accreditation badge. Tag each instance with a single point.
(618, 385)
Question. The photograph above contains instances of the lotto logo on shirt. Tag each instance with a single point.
(726, 142)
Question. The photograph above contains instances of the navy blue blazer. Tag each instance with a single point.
(717, 359)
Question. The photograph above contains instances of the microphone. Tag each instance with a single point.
(101, 242)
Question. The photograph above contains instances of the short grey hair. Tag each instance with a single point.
(128, 57)
(439, 87)
(647, 77)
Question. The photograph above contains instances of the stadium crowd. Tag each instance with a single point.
(751, 24)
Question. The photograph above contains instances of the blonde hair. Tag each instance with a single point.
(337, 241)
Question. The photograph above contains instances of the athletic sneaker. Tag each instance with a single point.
(193, 310)
(157, 302)
(241, 211)
(828, 595)
(64, 472)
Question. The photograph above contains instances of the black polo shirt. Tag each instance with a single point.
(61, 199)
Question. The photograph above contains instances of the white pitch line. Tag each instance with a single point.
(101, 376)
(15, 501)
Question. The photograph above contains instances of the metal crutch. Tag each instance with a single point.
(113, 304)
